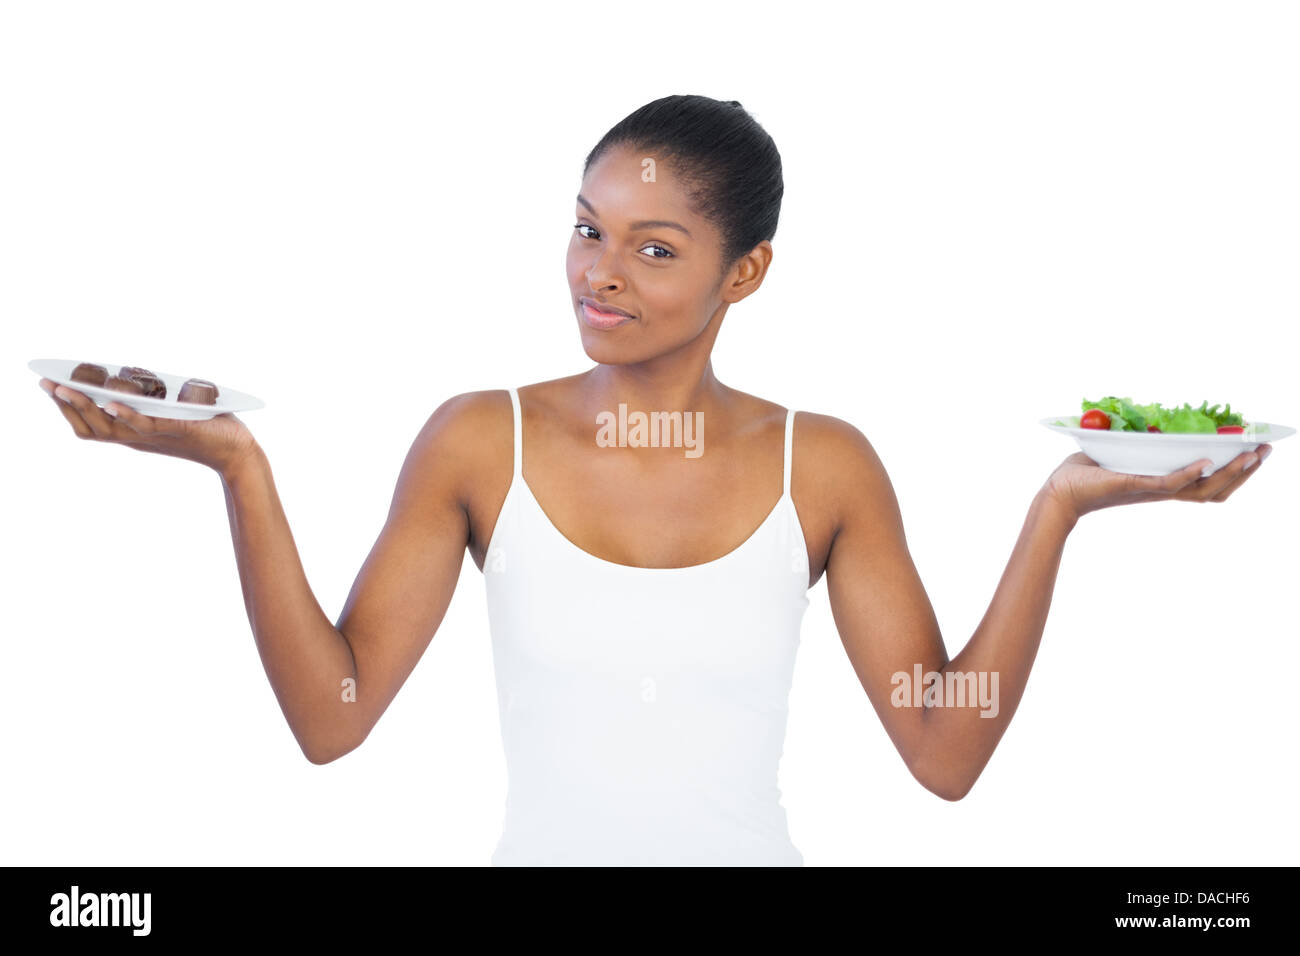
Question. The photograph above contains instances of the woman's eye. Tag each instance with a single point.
(667, 254)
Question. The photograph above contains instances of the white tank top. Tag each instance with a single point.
(643, 710)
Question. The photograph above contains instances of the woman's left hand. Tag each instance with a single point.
(1080, 485)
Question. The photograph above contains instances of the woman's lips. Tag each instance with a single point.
(603, 320)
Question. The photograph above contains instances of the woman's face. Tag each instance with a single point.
(638, 247)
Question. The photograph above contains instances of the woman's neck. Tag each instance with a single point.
(647, 389)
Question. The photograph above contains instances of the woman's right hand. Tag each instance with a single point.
(221, 443)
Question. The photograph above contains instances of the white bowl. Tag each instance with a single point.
(1160, 453)
(228, 400)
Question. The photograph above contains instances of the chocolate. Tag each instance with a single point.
(151, 386)
(90, 373)
(119, 384)
(199, 391)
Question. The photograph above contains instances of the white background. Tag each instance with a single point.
(992, 210)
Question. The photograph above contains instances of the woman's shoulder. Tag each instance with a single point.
(835, 465)
(465, 438)
(826, 438)
(828, 433)
(469, 417)
(839, 447)
(830, 456)
(478, 427)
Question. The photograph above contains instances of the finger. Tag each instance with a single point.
(1242, 474)
(79, 426)
(1177, 482)
(100, 424)
(130, 419)
(1161, 487)
(1207, 489)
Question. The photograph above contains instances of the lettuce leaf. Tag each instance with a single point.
(1126, 416)
(1191, 420)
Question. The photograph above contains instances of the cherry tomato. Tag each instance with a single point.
(1230, 429)
(1152, 428)
(1095, 418)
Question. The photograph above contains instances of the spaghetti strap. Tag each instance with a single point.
(789, 447)
(519, 433)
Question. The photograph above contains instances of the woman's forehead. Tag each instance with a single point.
(616, 187)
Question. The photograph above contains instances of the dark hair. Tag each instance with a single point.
(729, 162)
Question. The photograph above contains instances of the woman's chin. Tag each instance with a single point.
(603, 351)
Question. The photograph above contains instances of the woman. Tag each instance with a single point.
(647, 537)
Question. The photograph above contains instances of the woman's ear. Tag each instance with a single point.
(746, 275)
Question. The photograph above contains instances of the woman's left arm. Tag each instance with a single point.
(888, 625)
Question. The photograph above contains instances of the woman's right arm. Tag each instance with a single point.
(332, 683)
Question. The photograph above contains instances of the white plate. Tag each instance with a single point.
(1162, 453)
(228, 400)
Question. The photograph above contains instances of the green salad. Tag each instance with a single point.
(1122, 415)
